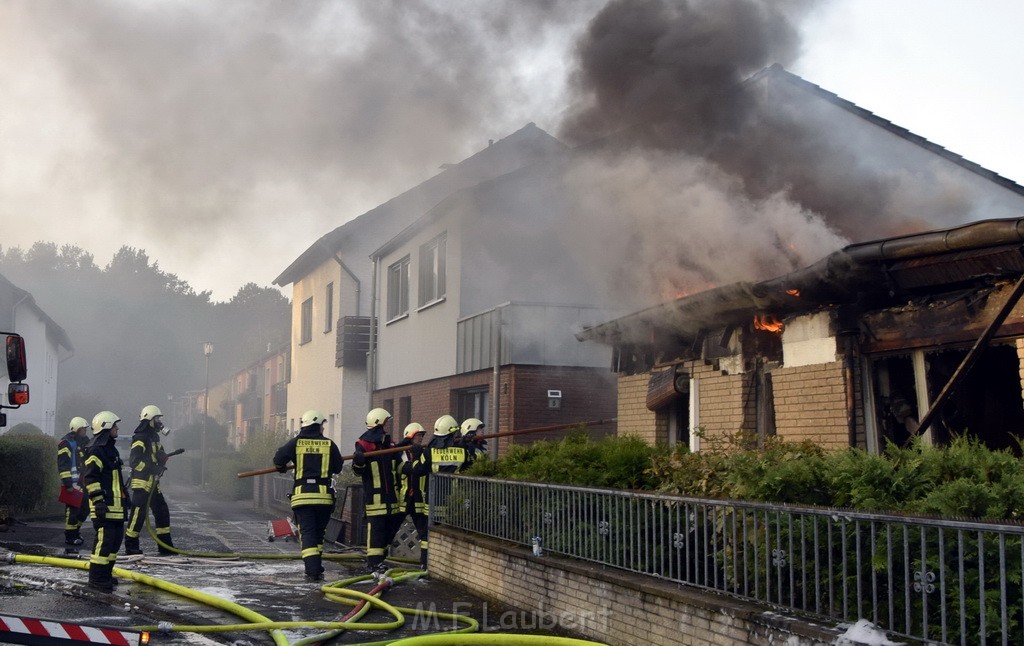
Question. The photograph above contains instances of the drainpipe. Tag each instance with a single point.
(355, 279)
(14, 311)
(371, 355)
(496, 378)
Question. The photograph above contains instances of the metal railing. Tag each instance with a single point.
(942, 580)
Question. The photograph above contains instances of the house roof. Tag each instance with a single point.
(885, 271)
(23, 296)
(521, 147)
(777, 73)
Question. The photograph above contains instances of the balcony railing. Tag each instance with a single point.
(935, 579)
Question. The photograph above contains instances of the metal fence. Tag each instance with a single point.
(943, 580)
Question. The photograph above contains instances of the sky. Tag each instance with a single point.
(225, 137)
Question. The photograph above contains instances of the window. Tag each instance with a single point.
(398, 289)
(432, 270)
(306, 332)
(404, 412)
(473, 402)
(329, 308)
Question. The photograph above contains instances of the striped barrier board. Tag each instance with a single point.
(48, 632)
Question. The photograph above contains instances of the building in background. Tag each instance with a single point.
(332, 287)
(47, 346)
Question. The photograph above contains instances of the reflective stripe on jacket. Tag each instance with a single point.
(316, 459)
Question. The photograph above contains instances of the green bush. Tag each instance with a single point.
(28, 473)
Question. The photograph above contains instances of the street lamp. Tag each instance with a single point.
(207, 350)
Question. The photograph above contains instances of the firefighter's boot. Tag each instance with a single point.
(72, 537)
(131, 545)
(166, 540)
(101, 577)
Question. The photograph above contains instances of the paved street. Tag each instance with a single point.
(200, 523)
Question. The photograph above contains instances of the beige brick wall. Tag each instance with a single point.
(810, 404)
(611, 606)
(634, 418)
(727, 404)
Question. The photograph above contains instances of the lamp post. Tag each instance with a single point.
(207, 350)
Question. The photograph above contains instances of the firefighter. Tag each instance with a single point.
(469, 441)
(107, 499)
(70, 461)
(381, 476)
(316, 459)
(442, 454)
(414, 484)
(148, 461)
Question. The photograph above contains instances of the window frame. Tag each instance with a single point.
(398, 276)
(306, 321)
(329, 308)
(433, 274)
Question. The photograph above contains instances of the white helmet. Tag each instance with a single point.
(377, 417)
(78, 423)
(104, 421)
(445, 425)
(311, 417)
(471, 425)
(149, 413)
(412, 430)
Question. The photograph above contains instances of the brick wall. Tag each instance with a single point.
(727, 402)
(587, 394)
(810, 404)
(605, 604)
(634, 418)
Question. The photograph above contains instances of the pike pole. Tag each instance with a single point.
(478, 438)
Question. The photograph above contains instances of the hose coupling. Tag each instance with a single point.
(164, 627)
(10, 557)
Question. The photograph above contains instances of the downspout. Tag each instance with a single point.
(355, 279)
(496, 377)
(851, 400)
(371, 354)
(14, 311)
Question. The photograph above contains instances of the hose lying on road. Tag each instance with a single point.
(338, 591)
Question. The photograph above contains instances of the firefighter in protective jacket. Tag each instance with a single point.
(382, 478)
(414, 485)
(316, 459)
(148, 462)
(70, 462)
(107, 499)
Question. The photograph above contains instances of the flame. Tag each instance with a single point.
(767, 322)
(793, 292)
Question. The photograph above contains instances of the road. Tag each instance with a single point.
(275, 589)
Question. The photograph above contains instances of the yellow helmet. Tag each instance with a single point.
(471, 425)
(444, 425)
(377, 417)
(78, 423)
(412, 430)
(104, 421)
(150, 412)
(311, 417)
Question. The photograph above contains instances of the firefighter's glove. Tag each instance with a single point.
(281, 468)
(417, 451)
(162, 460)
(359, 457)
(160, 470)
(99, 507)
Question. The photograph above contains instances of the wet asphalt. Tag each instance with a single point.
(201, 522)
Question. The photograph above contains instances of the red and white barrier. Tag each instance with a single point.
(45, 632)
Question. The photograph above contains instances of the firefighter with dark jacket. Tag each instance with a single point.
(414, 485)
(316, 459)
(468, 440)
(443, 455)
(70, 462)
(107, 499)
(382, 478)
(148, 461)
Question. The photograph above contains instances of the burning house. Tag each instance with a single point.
(920, 334)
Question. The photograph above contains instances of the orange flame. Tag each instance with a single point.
(793, 292)
(767, 322)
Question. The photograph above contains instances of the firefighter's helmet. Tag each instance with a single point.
(412, 430)
(445, 425)
(78, 423)
(104, 421)
(471, 425)
(311, 417)
(377, 417)
(149, 413)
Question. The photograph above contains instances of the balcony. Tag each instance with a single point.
(353, 342)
